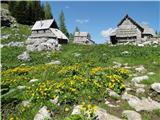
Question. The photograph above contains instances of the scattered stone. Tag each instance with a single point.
(151, 73)
(15, 44)
(43, 114)
(76, 110)
(125, 52)
(112, 93)
(5, 36)
(131, 115)
(77, 54)
(110, 105)
(26, 103)
(139, 85)
(146, 104)
(128, 89)
(139, 79)
(100, 113)
(33, 80)
(57, 62)
(24, 56)
(23, 64)
(140, 69)
(55, 101)
(156, 87)
(140, 45)
(116, 64)
(21, 87)
(103, 115)
(140, 90)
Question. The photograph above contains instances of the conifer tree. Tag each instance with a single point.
(47, 11)
(62, 24)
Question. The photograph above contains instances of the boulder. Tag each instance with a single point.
(140, 69)
(112, 93)
(24, 56)
(131, 115)
(100, 113)
(156, 87)
(43, 114)
(139, 79)
(76, 110)
(146, 104)
(103, 115)
(140, 90)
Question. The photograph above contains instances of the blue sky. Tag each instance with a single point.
(98, 18)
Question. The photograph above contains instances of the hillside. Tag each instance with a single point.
(77, 75)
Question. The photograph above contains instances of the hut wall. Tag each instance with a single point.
(127, 24)
(139, 34)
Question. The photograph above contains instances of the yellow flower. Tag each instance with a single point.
(66, 109)
(11, 118)
(89, 106)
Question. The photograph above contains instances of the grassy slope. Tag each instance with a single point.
(99, 55)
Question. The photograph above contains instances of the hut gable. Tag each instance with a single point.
(128, 22)
(83, 38)
(45, 24)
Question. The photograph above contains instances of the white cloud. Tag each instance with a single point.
(66, 6)
(108, 32)
(82, 21)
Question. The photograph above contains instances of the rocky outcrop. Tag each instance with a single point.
(146, 104)
(131, 115)
(6, 18)
(42, 44)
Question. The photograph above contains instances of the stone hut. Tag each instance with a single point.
(83, 38)
(128, 30)
(48, 29)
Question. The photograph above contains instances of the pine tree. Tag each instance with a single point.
(12, 5)
(62, 25)
(20, 11)
(47, 11)
(77, 29)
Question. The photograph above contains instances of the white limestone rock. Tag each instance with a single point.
(33, 80)
(21, 87)
(146, 104)
(140, 69)
(156, 87)
(139, 79)
(24, 56)
(55, 101)
(113, 94)
(140, 90)
(43, 114)
(76, 110)
(131, 115)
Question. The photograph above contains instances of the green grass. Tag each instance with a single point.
(96, 55)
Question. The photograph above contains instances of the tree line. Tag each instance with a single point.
(27, 12)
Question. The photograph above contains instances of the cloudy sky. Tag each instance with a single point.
(101, 18)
